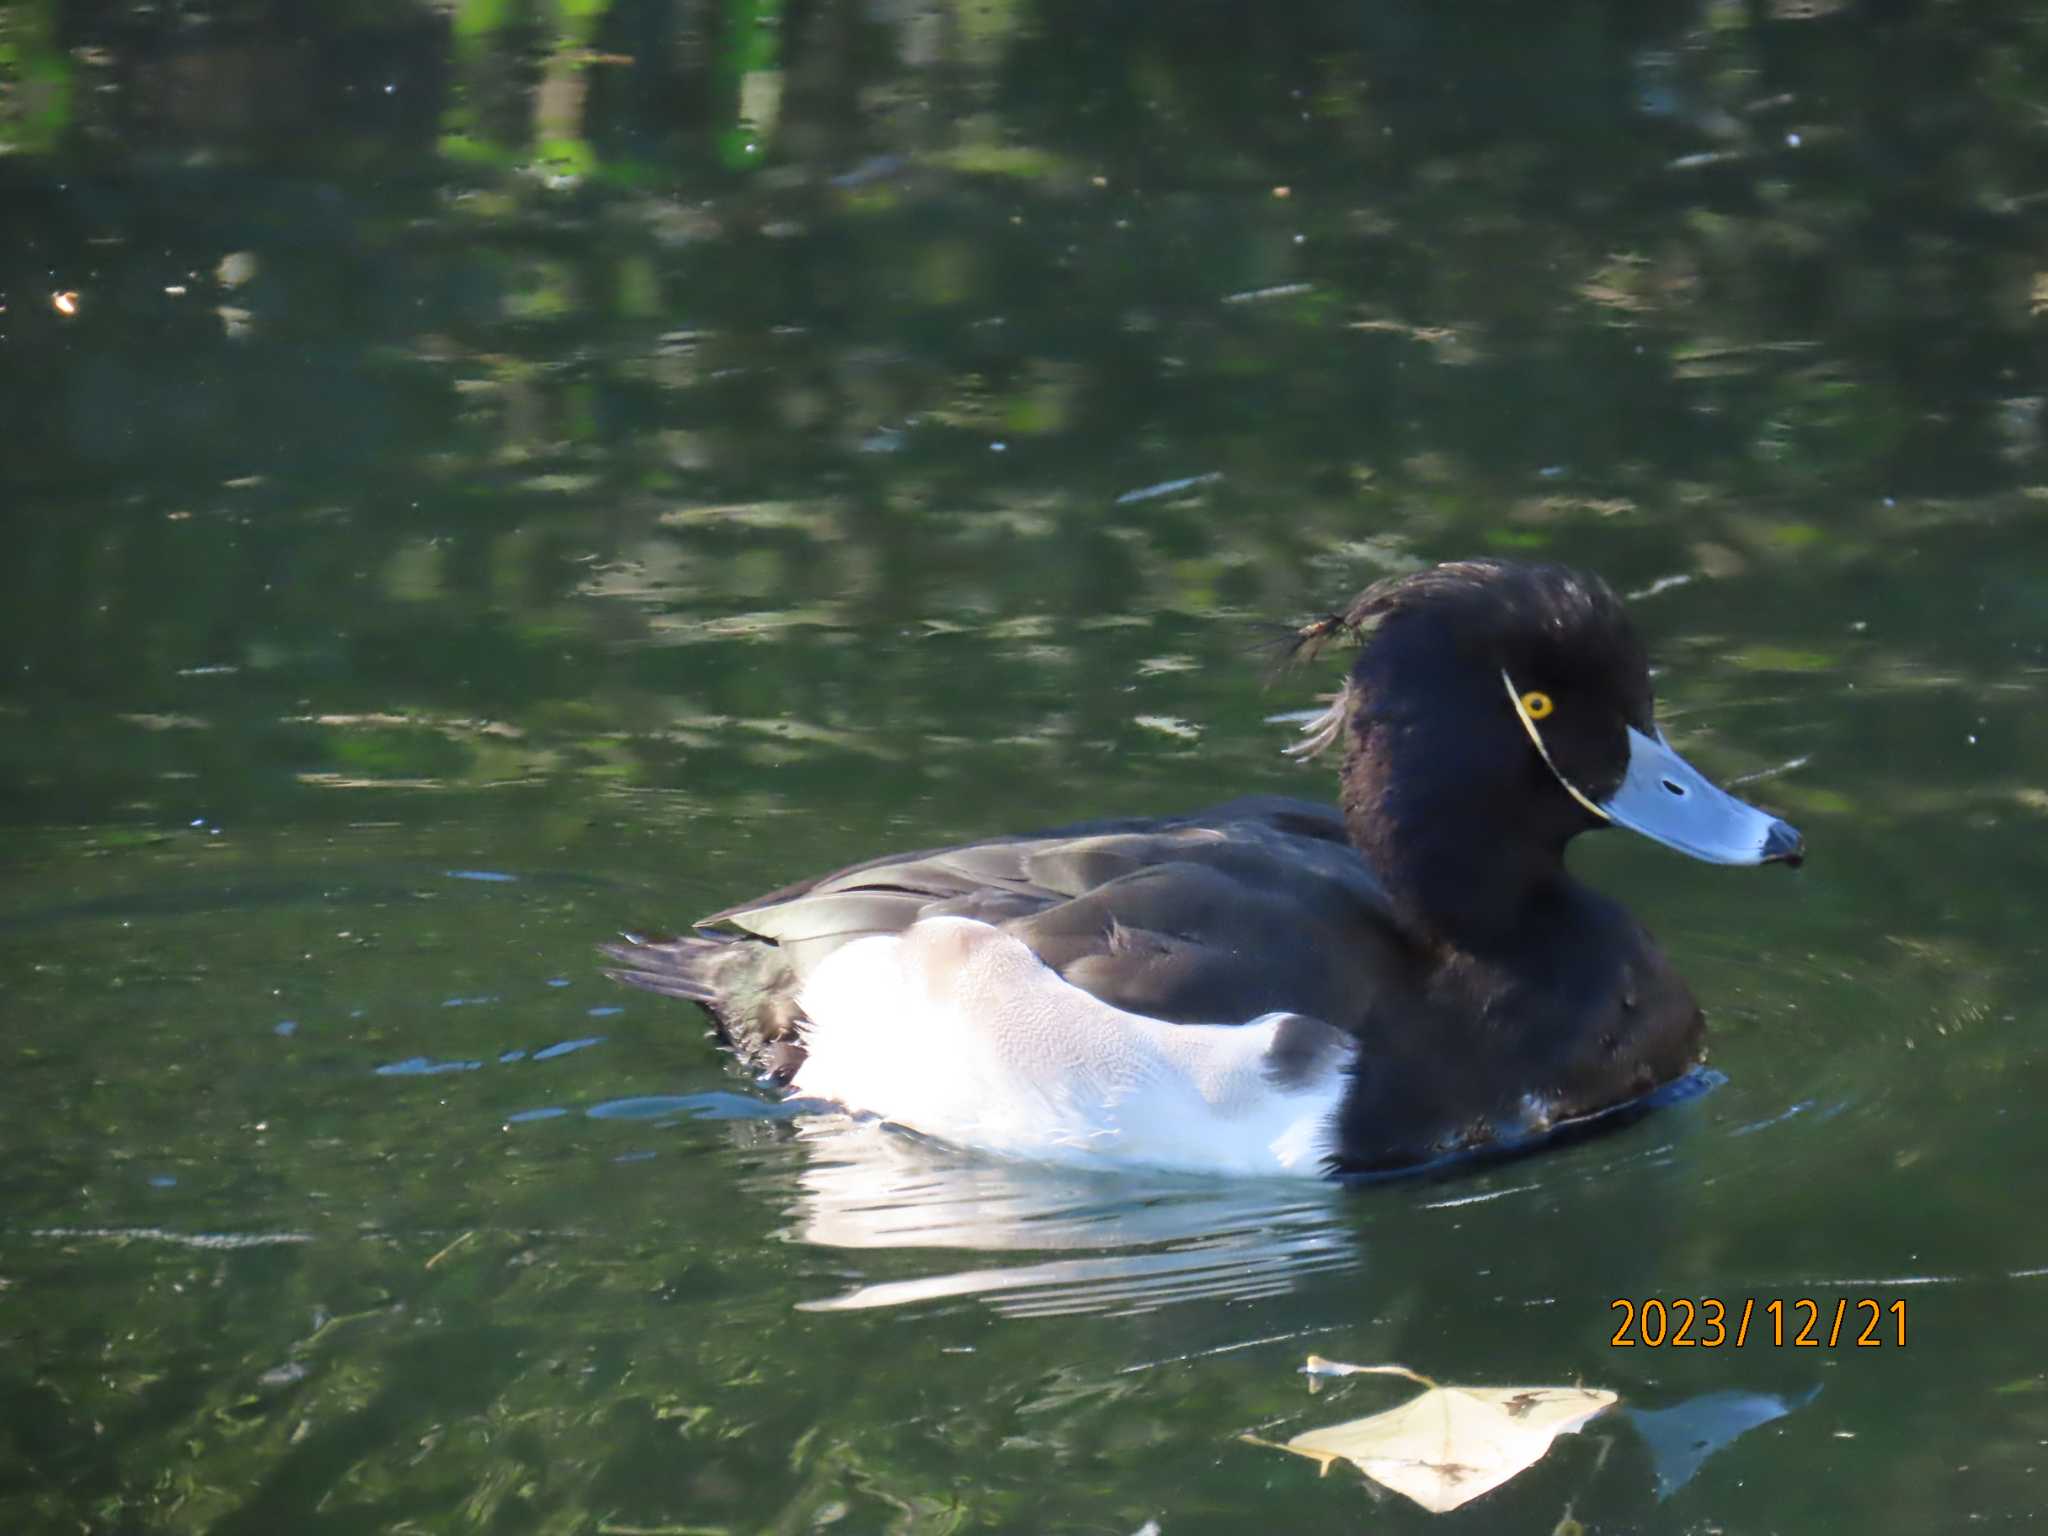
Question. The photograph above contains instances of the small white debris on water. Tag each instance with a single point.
(1788, 766)
(1661, 584)
(1167, 488)
(1255, 295)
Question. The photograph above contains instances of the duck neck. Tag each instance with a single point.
(1468, 840)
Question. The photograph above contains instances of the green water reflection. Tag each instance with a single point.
(479, 476)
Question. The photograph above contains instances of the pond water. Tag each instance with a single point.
(482, 476)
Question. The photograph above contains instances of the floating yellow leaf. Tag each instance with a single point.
(1451, 1444)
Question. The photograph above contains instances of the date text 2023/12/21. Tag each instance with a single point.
(1798, 1322)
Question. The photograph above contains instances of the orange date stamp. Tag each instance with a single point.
(1799, 1322)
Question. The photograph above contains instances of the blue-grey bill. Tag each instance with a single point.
(1665, 798)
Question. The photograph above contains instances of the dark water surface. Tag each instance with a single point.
(482, 475)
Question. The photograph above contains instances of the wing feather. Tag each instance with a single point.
(1253, 907)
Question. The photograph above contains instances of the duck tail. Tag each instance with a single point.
(742, 983)
(687, 967)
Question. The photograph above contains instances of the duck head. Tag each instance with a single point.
(1495, 711)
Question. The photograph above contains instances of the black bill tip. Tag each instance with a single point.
(1784, 845)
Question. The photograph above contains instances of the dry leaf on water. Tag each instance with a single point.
(1451, 1444)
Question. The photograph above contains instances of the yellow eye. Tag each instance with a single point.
(1537, 704)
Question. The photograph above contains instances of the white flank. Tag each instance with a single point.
(957, 1030)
